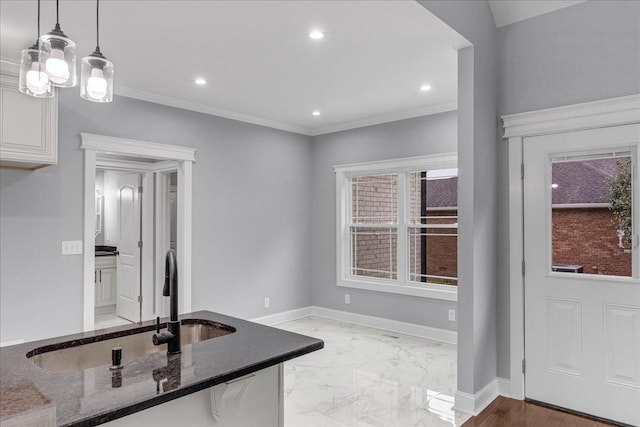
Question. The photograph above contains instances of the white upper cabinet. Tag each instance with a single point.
(28, 128)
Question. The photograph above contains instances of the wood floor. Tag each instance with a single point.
(511, 412)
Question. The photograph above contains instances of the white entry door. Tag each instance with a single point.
(582, 293)
(128, 304)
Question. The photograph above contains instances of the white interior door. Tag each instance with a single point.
(582, 330)
(128, 304)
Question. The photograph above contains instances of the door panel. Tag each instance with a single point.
(128, 283)
(565, 336)
(107, 282)
(622, 346)
(582, 319)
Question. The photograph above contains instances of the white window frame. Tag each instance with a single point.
(402, 285)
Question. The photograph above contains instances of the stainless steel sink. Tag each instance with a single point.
(96, 351)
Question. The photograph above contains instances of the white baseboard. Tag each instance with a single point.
(473, 404)
(435, 334)
(285, 316)
(504, 387)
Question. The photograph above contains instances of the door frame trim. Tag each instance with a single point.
(590, 115)
(170, 156)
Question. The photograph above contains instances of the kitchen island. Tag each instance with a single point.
(229, 378)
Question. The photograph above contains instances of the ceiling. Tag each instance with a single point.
(507, 12)
(259, 62)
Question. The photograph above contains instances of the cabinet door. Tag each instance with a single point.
(28, 128)
(108, 279)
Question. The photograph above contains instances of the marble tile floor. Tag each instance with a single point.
(109, 320)
(369, 377)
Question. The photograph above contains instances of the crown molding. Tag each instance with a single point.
(386, 118)
(8, 66)
(200, 108)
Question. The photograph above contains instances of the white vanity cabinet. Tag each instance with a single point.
(105, 281)
(28, 128)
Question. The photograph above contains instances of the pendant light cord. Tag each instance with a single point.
(38, 35)
(57, 11)
(38, 42)
(97, 24)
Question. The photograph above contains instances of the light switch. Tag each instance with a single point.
(71, 247)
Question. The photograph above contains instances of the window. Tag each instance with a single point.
(591, 215)
(397, 226)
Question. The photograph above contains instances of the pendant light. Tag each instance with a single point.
(61, 50)
(33, 80)
(96, 81)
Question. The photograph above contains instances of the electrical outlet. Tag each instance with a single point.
(347, 299)
(266, 302)
(452, 315)
(71, 247)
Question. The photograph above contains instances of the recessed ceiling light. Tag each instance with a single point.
(200, 81)
(425, 88)
(316, 35)
(315, 113)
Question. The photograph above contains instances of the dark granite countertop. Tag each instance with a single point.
(101, 250)
(96, 395)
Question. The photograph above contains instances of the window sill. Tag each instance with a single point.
(441, 292)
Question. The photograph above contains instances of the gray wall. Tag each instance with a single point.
(251, 221)
(583, 53)
(413, 137)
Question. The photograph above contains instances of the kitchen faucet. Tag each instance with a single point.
(172, 335)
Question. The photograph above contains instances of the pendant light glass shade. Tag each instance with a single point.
(60, 63)
(96, 82)
(33, 80)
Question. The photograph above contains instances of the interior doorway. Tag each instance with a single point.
(148, 215)
(120, 221)
(118, 243)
